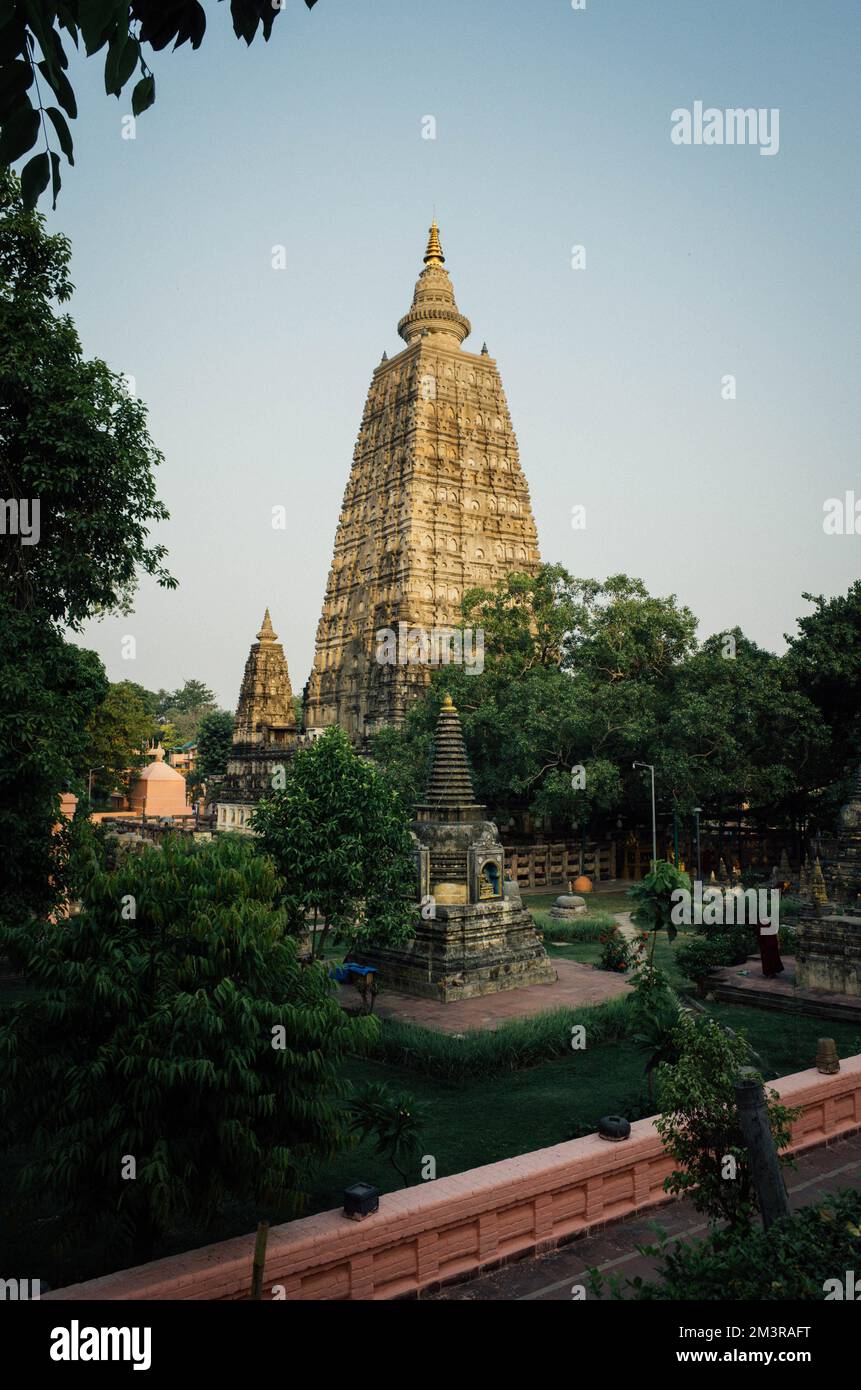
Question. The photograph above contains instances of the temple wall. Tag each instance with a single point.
(455, 1226)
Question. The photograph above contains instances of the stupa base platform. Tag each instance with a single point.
(465, 952)
(575, 986)
(782, 993)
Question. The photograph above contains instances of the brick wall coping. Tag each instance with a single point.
(454, 1225)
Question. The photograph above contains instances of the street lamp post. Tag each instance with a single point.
(90, 781)
(696, 813)
(651, 768)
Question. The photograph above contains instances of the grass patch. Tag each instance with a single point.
(590, 927)
(786, 1042)
(522, 1043)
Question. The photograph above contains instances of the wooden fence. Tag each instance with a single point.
(538, 866)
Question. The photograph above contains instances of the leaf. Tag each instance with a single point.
(55, 177)
(143, 95)
(96, 18)
(15, 78)
(62, 89)
(64, 135)
(19, 135)
(34, 179)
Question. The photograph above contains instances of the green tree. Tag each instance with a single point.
(48, 690)
(698, 1122)
(34, 34)
(74, 444)
(174, 1025)
(214, 742)
(72, 438)
(825, 658)
(338, 833)
(119, 730)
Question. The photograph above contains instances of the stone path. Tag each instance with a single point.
(575, 985)
(549, 1278)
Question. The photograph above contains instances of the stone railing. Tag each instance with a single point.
(454, 1226)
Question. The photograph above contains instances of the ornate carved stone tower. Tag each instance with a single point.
(473, 935)
(264, 731)
(436, 503)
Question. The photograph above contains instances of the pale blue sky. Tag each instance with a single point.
(553, 129)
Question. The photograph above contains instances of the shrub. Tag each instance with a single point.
(698, 958)
(795, 1259)
(699, 1120)
(615, 953)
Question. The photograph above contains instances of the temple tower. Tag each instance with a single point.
(436, 504)
(473, 936)
(264, 730)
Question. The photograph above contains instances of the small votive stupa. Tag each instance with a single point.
(473, 935)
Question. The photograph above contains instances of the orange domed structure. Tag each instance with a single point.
(159, 790)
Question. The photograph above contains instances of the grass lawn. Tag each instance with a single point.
(540, 899)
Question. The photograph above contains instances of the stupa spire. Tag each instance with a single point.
(267, 632)
(433, 254)
(450, 782)
(434, 311)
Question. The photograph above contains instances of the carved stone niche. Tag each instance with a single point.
(485, 869)
(423, 871)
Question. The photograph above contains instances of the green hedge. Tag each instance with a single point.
(521, 1043)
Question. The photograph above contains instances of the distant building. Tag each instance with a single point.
(184, 757)
(158, 790)
(264, 732)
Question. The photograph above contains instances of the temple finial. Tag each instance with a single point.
(267, 633)
(433, 255)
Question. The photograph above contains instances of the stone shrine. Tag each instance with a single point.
(473, 935)
(264, 731)
(829, 938)
(844, 876)
(436, 503)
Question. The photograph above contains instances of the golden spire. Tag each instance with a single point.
(267, 633)
(433, 255)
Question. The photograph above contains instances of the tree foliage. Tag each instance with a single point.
(338, 833)
(71, 438)
(174, 1025)
(75, 444)
(34, 63)
(699, 1125)
(118, 730)
(214, 742)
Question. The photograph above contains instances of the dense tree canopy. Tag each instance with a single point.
(581, 679)
(77, 463)
(172, 1026)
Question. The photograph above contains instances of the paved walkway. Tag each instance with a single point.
(575, 985)
(746, 984)
(549, 1278)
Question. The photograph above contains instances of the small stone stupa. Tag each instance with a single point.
(264, 731)
(473, 935)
